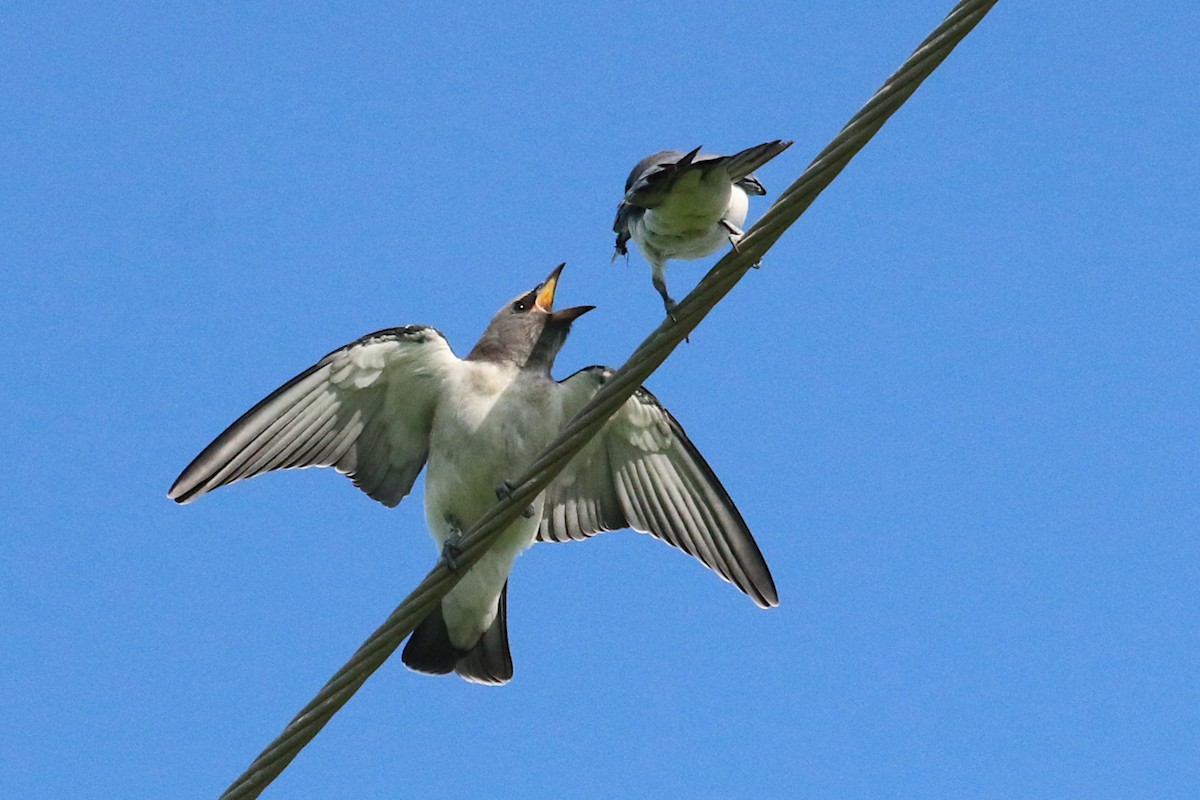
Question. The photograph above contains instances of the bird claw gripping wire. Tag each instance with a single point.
(505, 491)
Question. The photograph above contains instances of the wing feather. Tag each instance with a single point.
(642, 472)
(365, 409)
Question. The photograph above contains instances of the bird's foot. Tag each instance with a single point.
(735, 233)
(505, 491)
(452, 548)
(670, 305)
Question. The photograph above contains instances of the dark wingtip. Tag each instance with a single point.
(767, 596)
(688, 158)
(179, 494)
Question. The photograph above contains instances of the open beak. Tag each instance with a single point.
(545, 300)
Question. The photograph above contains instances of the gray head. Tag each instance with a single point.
(528, 331)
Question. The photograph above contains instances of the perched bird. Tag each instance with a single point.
(686, 205)
(382, 407)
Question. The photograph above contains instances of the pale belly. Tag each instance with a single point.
(688, 224)
(474, 448)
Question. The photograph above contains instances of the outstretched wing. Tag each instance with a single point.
(642, 472)
(365, 409)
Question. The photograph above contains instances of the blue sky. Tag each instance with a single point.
(957, 406)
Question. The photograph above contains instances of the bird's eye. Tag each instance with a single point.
(520, 305)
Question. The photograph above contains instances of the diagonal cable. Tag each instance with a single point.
(624, 382)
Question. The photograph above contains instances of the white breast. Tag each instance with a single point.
(492, 425)
(688, 223)
(494, 422)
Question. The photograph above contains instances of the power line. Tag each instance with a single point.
(793, 202)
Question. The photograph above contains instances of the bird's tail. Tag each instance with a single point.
(742, 164)
(430, 650)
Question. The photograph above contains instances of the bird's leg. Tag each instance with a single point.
(660, 283)
(735, 232)
(505, 491)
(451, 549)
(735, 236)
(668, 303)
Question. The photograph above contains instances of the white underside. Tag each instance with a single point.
(475, 446)
(691, 221)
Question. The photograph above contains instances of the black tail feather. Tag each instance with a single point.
(490, 660)
(430, 650)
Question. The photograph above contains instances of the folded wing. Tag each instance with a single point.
(642, 472)
(364, 409)
(653, 178)
(741, 165)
